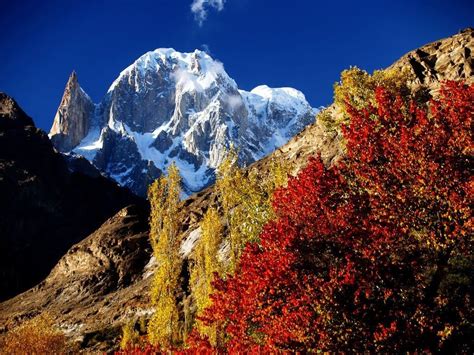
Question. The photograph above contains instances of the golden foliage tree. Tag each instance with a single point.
(245, 197)
(206, 264)
(229, 181)
(130, 336)
(356, 88)
(164, 328)
(35, 336)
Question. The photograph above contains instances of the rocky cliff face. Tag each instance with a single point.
(73, 117)
(446, 59)
(47, 202)
(91, 286)
(102, 281)
(176, 107)
(450, 58)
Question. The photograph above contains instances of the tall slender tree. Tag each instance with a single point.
(206, 267)
(229, 180)
(245, 196)
(165, 329)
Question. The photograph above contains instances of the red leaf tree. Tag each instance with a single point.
(374, 254)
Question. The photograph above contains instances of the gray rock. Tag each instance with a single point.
(162, 142)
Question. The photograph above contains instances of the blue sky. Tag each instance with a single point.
(300, 43)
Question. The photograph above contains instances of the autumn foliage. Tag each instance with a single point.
(373, 254)
(165, 327)
(35, 336)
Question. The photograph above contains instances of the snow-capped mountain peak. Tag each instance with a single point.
(170, 106)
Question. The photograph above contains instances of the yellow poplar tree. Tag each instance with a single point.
(357, 88)
(255, 208)
(206, 264)
(164, 328)
(246, 201)
(229, 181)
(130, 336)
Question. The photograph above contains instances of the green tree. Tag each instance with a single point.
(165, 328)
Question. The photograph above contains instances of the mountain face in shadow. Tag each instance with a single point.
(48, 201)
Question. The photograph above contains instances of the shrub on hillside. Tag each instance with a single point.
(35, 336)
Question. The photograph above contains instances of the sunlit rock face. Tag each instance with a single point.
(73, 117)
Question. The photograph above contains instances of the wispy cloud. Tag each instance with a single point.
(235, 101)
(200, 8)
(205, 47)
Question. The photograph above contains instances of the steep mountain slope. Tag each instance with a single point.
(447, 59)
(48, 202)
(98, 278)
(102, 281)
(182, 107)
(86, 321)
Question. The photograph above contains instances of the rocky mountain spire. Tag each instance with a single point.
(72, 120)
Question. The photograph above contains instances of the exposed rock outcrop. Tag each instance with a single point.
(447, 59)
(95, 285)
(11, 115)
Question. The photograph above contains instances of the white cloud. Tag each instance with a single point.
(205, 48)
(186, 80)
(235, 101)
(200, 7)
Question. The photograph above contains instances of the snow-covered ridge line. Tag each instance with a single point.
(154, 59)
